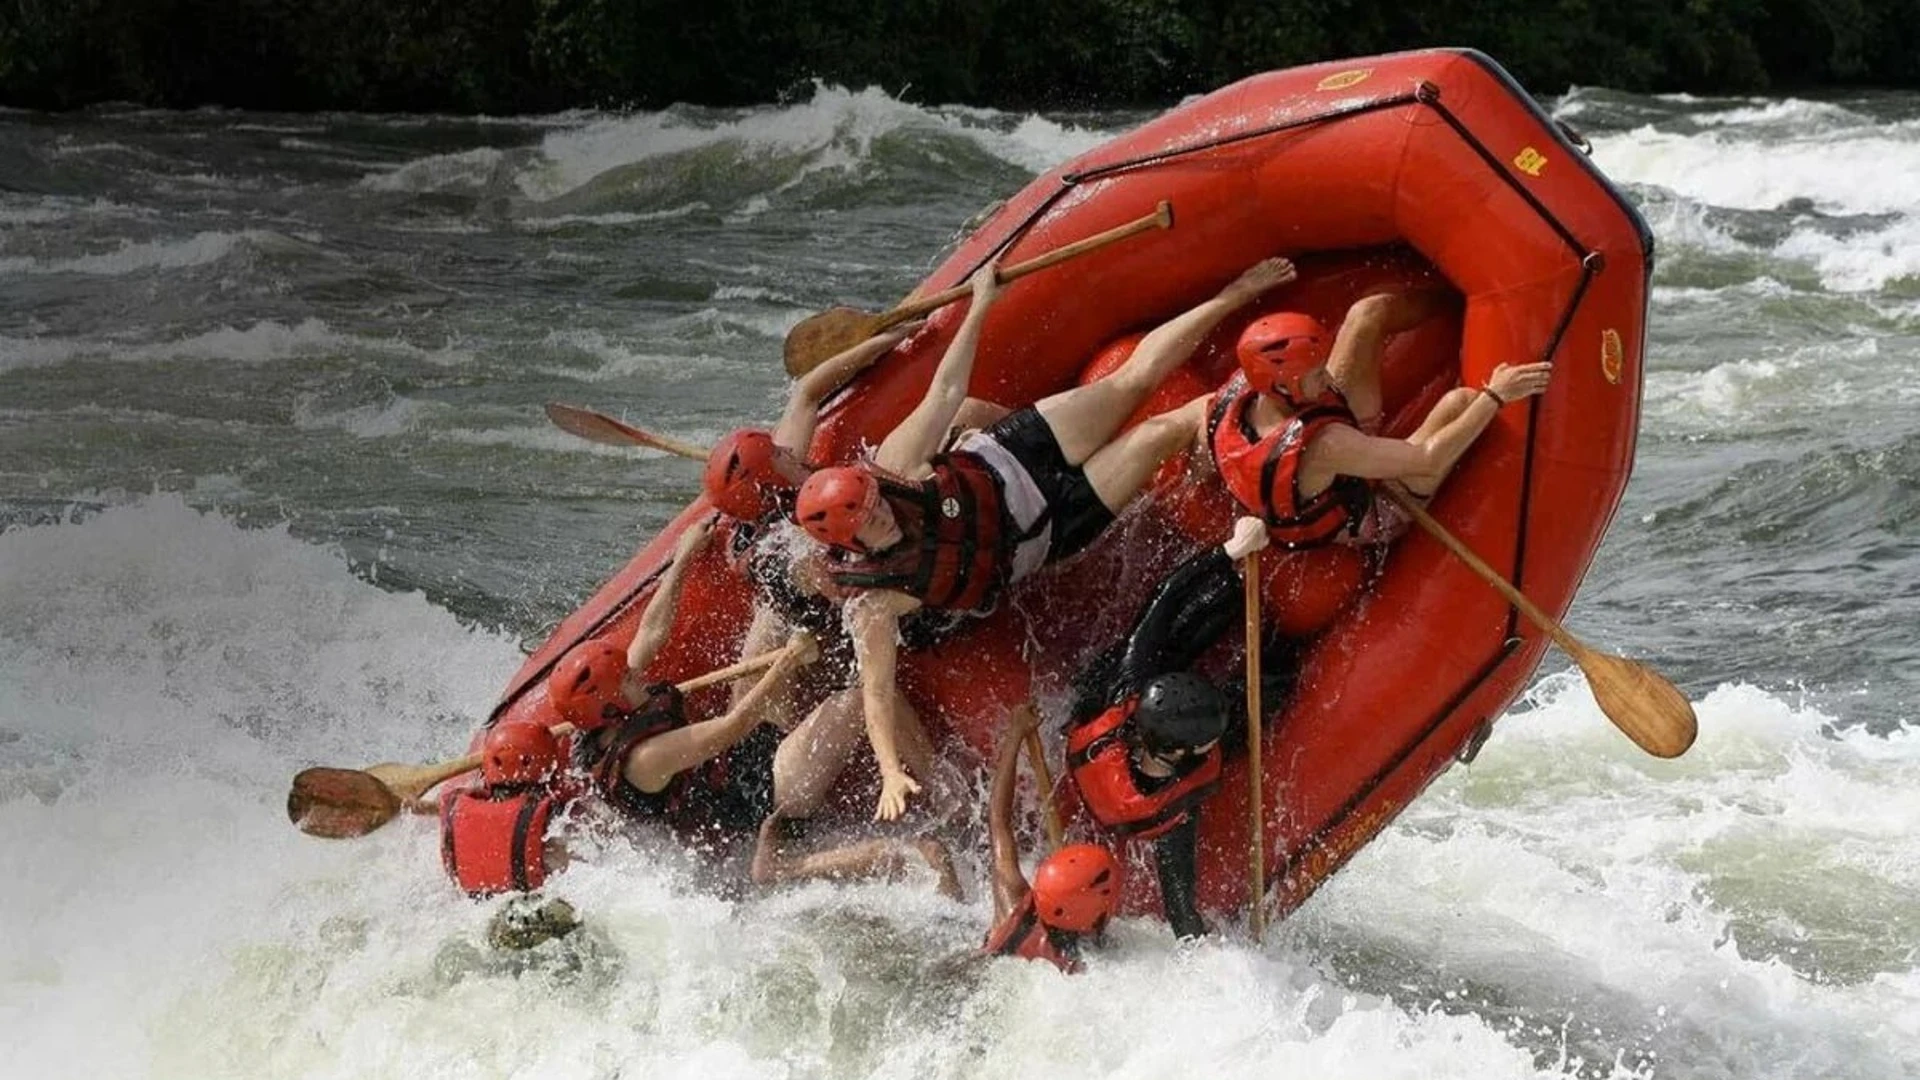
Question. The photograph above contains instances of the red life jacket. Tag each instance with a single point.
(1100, 762)
(494, 841)
(955, 546)
(1022, 934)
(1263, 472)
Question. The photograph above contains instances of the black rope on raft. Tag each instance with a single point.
(1068, 181)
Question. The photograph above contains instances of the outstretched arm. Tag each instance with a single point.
(657, 623)
(907, 448)
(873, 621)
(1009, 884)
(653, 764)
(1346, 452)
(795, 429)
(1183, 333)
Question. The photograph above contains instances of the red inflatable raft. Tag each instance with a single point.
(1407, 169)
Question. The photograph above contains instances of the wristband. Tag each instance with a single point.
(1498, 401)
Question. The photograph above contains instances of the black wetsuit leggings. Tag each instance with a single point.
(1186, 615)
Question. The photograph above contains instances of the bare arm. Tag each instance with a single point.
(907, 448)
(653, 764)
(1183, 333)
(1009, 884)
(795, 429)
(1349, 453)
(764, 635)
(873, 620)
(657, 623)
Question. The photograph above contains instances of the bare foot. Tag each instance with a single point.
(937, 857)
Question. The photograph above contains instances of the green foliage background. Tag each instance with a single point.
(504, 56)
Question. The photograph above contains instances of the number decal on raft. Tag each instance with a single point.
(1344, 79)
(1613, 356)
(1530, 161)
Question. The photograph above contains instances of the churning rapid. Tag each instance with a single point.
(276, 490)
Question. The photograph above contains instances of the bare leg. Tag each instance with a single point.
(1122, 467)
(978, 413)
(1354, 365)
(811, 758)
(885, 859)
(1084, 418)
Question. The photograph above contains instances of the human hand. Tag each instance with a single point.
(1249, 536)
(1258, 278)
(986, 285)
(1022, 721)
(1512, 382)
(802, 649)
(896, 334)
(895, 786)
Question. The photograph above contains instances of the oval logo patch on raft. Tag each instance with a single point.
(1342, 80)
(950, 507)
(1613, 356)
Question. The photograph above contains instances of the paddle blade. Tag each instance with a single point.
(819, 338)
(1646, 707)
(340, 803)
(590, 425)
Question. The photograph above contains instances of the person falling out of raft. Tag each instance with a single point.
(1295, 436)
(918, 526)
(499, 834)
(1146, 738)
(635, 741)
(1074, 891)
(723, 775)
(752, 476)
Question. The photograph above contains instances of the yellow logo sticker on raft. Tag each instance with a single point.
(1613, 356)
(1530, 161)
(1344, 79)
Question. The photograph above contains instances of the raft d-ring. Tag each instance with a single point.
(1573, 135)
(1426, 93)
(1593, 262)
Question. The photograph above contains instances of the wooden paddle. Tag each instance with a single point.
(1641, 703)
(341, 803)
(818, 338)
(1256, 803)
(605, 430)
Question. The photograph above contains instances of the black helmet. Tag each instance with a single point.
(1179, 710)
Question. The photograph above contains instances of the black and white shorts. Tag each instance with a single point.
(1052, 504)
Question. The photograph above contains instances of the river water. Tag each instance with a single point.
(275, 489)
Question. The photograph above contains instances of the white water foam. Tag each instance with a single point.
(167, 671)
(833, 131)
(263, 342)
(1833, 161)
(131, 257)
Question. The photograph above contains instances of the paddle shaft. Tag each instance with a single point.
(1256, 793)
(1161, 218)
(1487, 573)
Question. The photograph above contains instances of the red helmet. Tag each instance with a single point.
(739, 470)
(1277, 351)
(835, 502)
(519, 752)
(1077, 888)
(585, 684)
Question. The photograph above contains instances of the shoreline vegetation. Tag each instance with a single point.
(531, 56)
